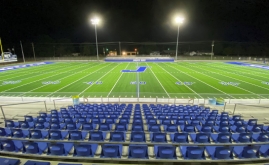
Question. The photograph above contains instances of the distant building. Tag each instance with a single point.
(155, 53)
(126, 53)
(112, 53)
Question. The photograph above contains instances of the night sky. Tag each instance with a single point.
(135, 20)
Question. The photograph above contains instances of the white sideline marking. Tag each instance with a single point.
(42, 79)
(77, 80)
(158, 80)
(58, 79)
(33, 76)
(180, 81)
(116, 81)
(97, 80)
(222, 80)
(239, 79)
(202, 81)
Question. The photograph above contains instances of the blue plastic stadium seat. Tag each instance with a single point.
(8, 161)
(117, 136)
(55, 135)
(223, 129)
(41, 119)
(138, 151)
(43, 114)
(65, 115)
(8, 145)
(138, 137)
(82, 120)
(154, 128)
(245, 152)
(239, 122)
(96, 136)
(39, 125)
(55, 126)
(220, 152)
(75, 135)
(104, 127)
(223, 138)
(181, 122)
(137, 127)
(152, 121)
(252, 122)
(110, 121)
(201, 137)
(243, 137)
(30, 162)
(68, 120)
(31, 148)
(180, 138)
(209, 122)
(87, 127)
(263, 137)
(35, 134)
(56, 149)
(121, 127)
(110, 151)
(205, 128)
(123, 121)
(188, 128)
(28, 118)
(83, 150)
(194, 122)
(166, 121)
(10, 124)
(17, 133)
(24, 125)
(239, 128)
(172, 128)
(256, 128)
(3, 132)
(137, 121)
(165, 152)
(158, 137)
(192, 152)
(96, 120)
(71, 126)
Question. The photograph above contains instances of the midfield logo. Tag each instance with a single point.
(139, 69)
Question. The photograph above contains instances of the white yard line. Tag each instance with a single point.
(41, 79)
(158, 80)
(179, 81)
(48, 84)
(117, 81)
(202, 81)
(98, 79)
(223, 80)
(77, 80)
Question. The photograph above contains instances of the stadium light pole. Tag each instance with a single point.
(95, 22)
(179, 20)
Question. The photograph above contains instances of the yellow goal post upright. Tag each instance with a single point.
(2, 55)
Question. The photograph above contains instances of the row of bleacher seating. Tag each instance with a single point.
(138, 136)
(11, 161)
(134, 151)
(150, 132)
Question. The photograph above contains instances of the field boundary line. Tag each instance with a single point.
(203, 82)
(180, 81)
(33, 76)
(239, 79)
(158, 80)
(19, 73)
(117, 81)
(222, 80)
(47, 84)
(78, 79)
(41, 79)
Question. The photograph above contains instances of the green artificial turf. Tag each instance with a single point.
(174, 80)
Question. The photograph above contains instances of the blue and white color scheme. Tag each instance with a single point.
(139, 69)
(249, 65)
(139, 59)
(23, 66)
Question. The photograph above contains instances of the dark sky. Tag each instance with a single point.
(135, 20)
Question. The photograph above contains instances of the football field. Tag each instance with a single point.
(163, 80)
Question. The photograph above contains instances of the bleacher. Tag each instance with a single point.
(136, 132)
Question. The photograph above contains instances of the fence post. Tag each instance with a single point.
(54, 104)
(234, 108)
(46, 106)
(102, 99)
(224, 106)
(175, 100)
(156, 99)
(119, 99)
(3, 113)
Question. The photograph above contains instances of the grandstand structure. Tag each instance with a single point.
(55, 130)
